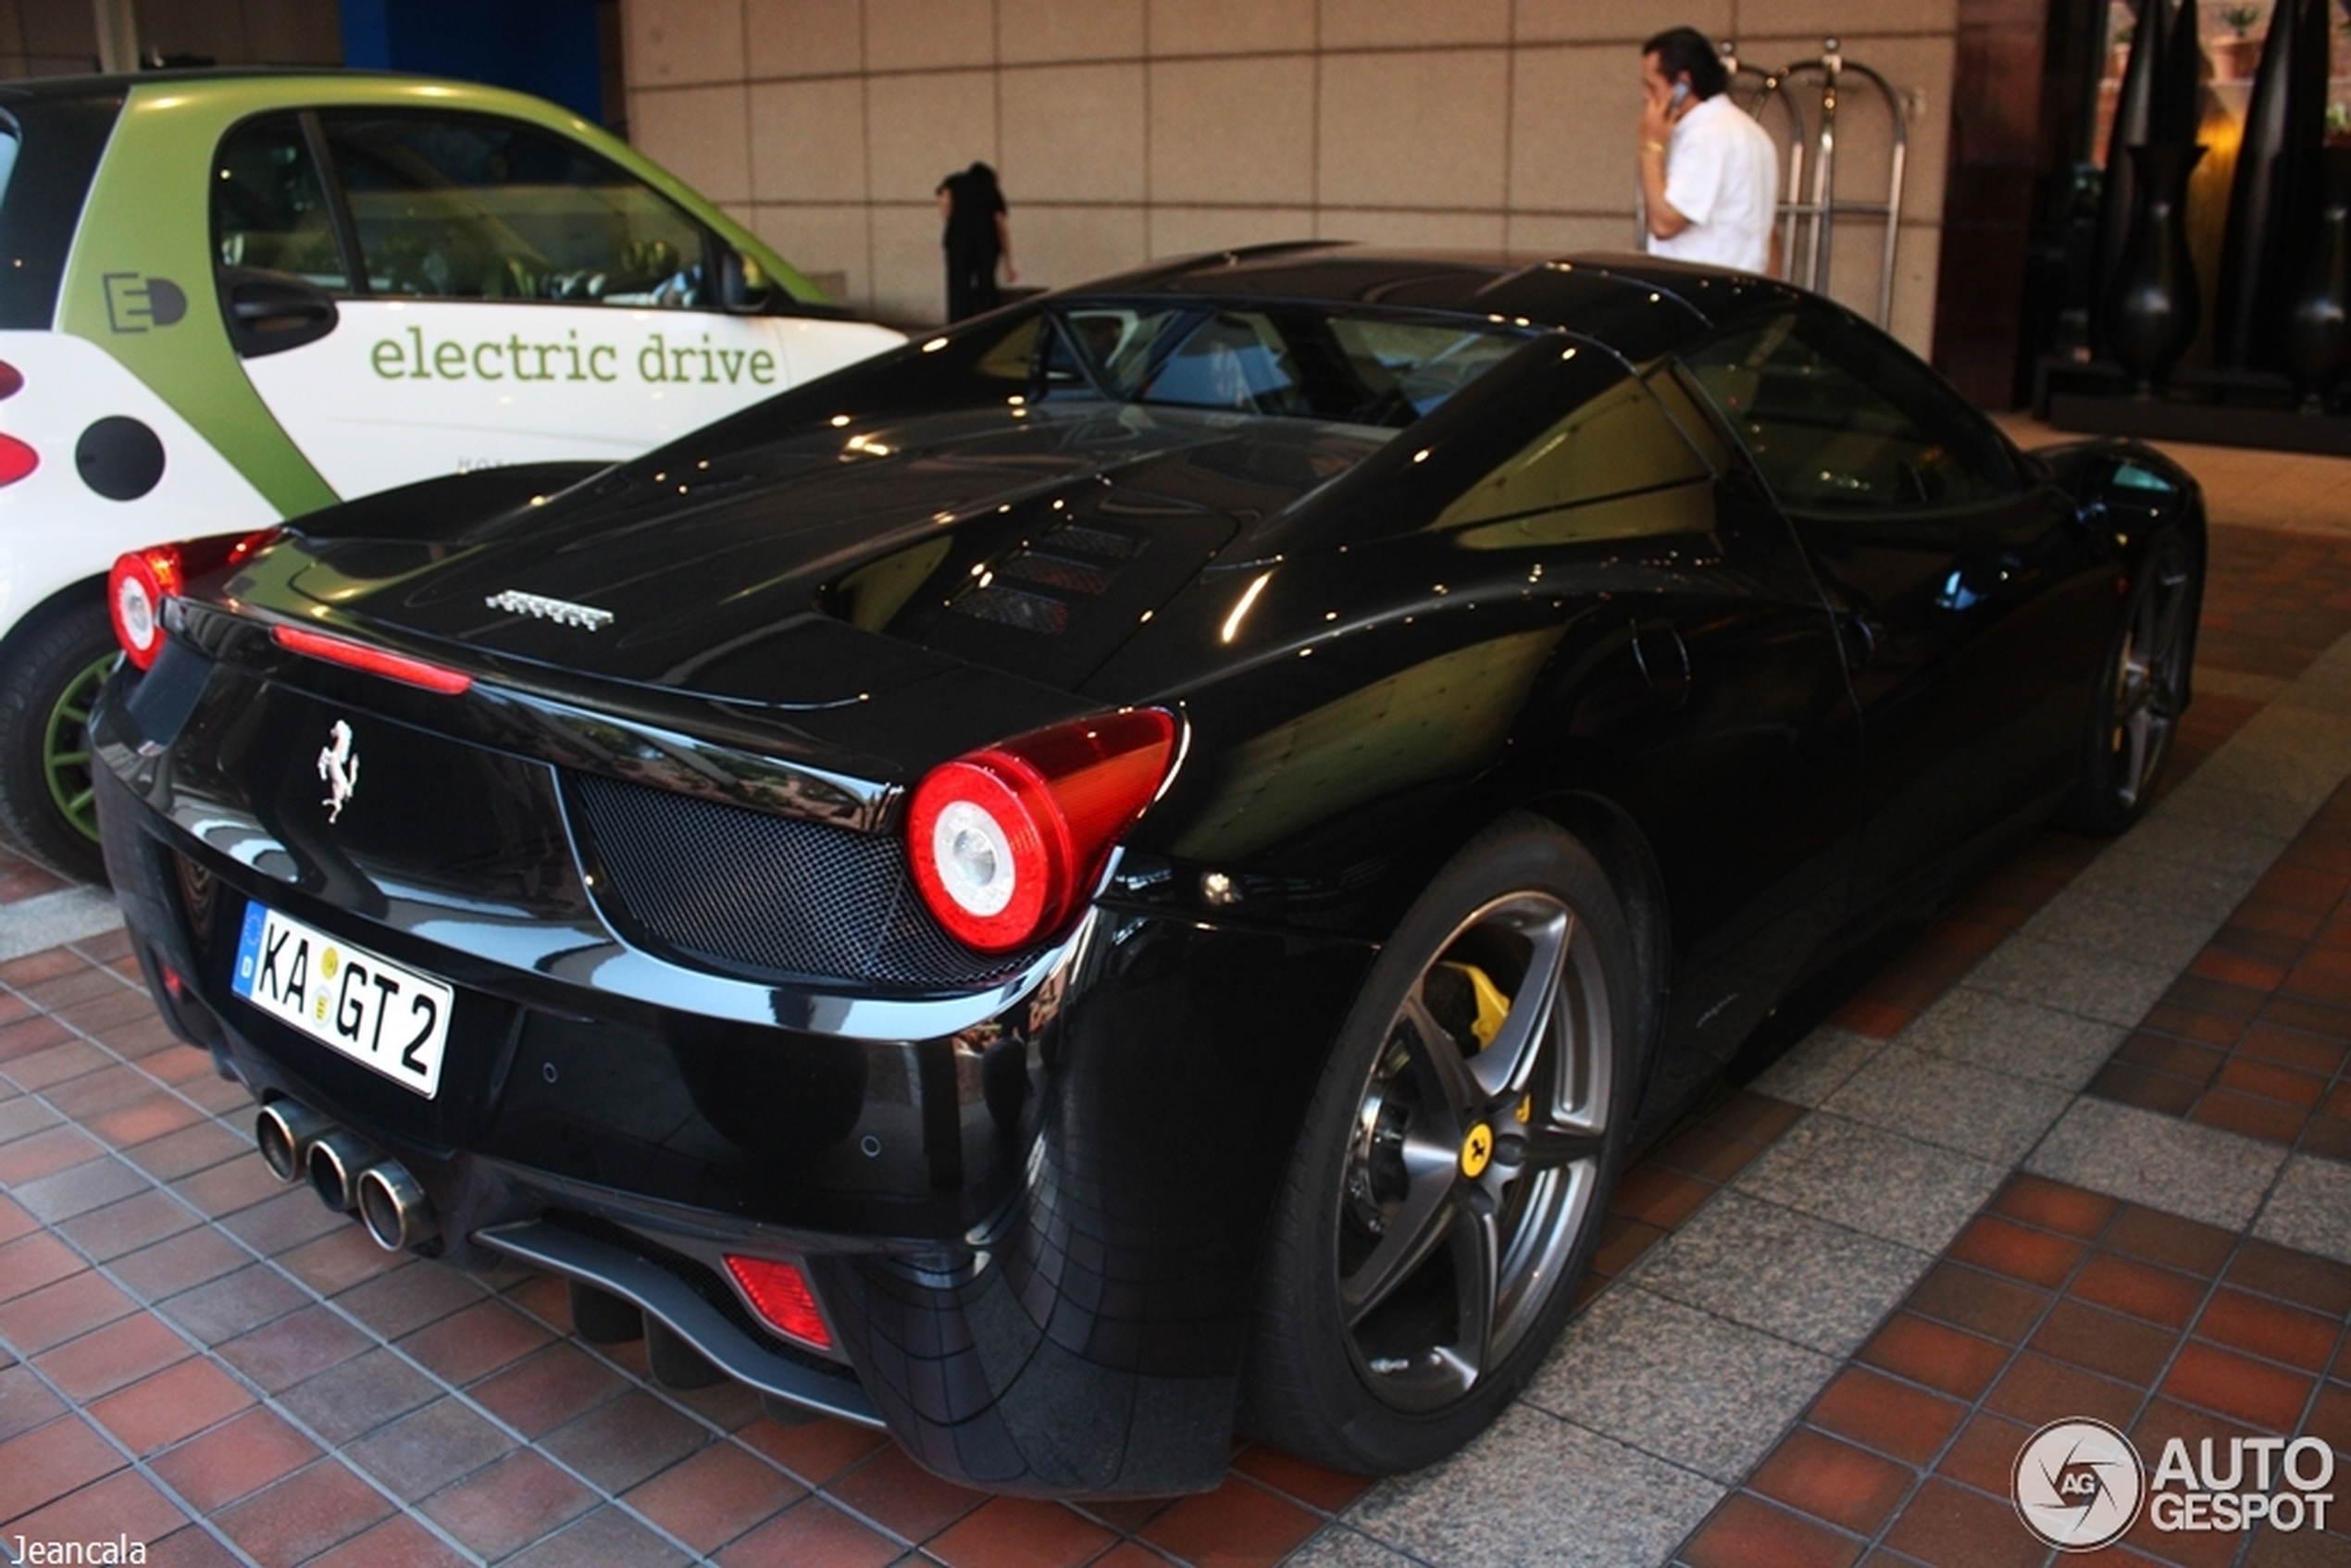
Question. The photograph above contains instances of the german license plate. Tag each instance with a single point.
(375, 1012)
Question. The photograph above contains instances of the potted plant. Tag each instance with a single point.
(2235, 57)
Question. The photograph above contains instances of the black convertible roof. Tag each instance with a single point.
(1639, 304)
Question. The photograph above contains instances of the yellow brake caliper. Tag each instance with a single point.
(1493, 1011)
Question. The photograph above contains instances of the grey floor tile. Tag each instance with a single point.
(2197, 830)
(1574, 1499)
(2155, 933)
(2118, 991)
(1708, 1394)
(2014, 1039)
(2146, 879)
(1340, 1546)
(2181, 1167)
(1806, 1280)
(1868, 1179)
(2310, 1208)
(69, 914)
(1816, 1065)
(79, 1189)
(1958, 1105)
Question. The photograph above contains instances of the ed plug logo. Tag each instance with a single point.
(135, 304)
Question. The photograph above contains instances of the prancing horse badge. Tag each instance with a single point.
(338, 765)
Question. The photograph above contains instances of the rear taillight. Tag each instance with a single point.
(136, 588)
(780, 1294)
(17, 459)
(1006, 841)
(143, 580)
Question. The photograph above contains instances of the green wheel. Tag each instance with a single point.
(54, 666)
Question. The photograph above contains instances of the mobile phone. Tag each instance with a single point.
(1681, 95)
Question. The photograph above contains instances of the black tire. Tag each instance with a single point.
(2141, 692)
(54, 667)
(1413, 1281)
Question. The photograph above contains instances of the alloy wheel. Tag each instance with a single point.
(2148, 679)
(1475, 1151)
(65, 747)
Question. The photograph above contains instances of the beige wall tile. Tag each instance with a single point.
(808, 141)
(296, 32)
(1230, 26)
(62, 29)
(921, 128)
(701, 134)
(671, 42)
(1412, 130)
(1059, 245)
(1546, 234)
(803, 37)
(1628, 22)
(913, 34)
(1917, 267)
(823, 239)
(1573, 114)
(910, 271)
(1377, 24)
(1849, 19)
(1180, 230)
(1202, 152)
(1388, 225)
(189, 27)
(1069, 29)
(1072, 133)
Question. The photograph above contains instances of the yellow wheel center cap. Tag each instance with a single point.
(1477, 1151)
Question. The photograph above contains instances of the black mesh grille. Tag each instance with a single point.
(773, 897)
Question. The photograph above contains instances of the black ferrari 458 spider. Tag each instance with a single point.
(1140, 865)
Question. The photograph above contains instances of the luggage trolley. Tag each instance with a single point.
(1807, 217)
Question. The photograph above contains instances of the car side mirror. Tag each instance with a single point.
(743, 287)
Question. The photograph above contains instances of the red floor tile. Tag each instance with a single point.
(901, 1496)
(811, 1535)
(1848, 1486)
(503, 1509)
(234, 1461)
(109, 1358)
(2269, 1329)
(1878, 1413)
(296, 1518)
(1748, 1533)
(710, 1498)
(47, 1463)
(1020, 1533)
(177, 1402)
(2159, 1295)
(124, 1503)
(398, 1542)
(1238, 1524)
(2218, 1379)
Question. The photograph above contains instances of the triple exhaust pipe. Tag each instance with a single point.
(347, 1173)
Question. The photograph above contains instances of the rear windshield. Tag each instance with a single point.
(50, 149)
(1301, 361)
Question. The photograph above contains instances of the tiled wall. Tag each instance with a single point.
(60, 37)
(1128, 129)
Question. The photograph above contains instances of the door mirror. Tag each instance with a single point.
(268, 312)
(743, 288)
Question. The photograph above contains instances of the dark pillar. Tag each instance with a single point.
(548, 47)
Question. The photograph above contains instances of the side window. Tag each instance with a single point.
(1617, 444)
(269, 206)
(1837, 418)
(484, 208)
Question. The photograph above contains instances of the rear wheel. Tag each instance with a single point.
(1456, 1159)
(2141, 694)
(55, 670)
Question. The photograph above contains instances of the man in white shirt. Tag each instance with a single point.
(1709, 175)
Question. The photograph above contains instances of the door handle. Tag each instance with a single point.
(269, 312)
(1858, 635)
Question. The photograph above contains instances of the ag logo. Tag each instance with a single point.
(338, 765)
(2078, 1485)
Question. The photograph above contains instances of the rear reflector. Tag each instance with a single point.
(375, 661)
(16, 460)
(780, 1294)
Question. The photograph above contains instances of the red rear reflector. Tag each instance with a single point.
(16, 460)
(779, 1294)
(375, 661)
(11, 380)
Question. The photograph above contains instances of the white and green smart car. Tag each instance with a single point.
(227, 299)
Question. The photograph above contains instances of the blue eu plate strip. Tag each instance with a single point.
(249, 949)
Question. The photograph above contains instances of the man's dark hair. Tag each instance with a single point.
(1680, 49)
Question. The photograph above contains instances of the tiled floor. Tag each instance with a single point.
(2024, 1171)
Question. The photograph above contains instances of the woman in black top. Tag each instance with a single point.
(977, 236)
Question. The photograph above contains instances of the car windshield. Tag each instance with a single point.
(1301, 361)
